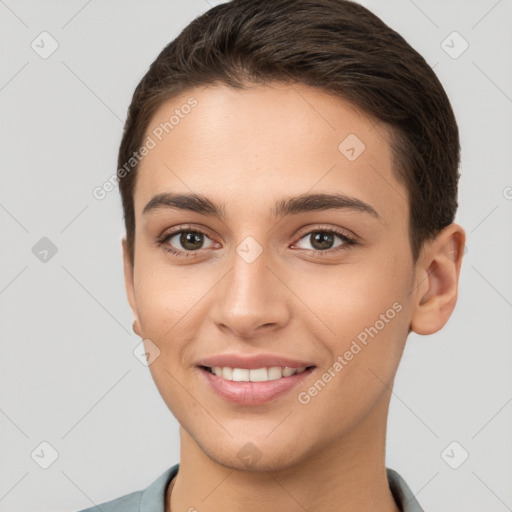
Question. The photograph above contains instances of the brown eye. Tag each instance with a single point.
(325, 240)
(321, 240)
(187, 241)
(191, 241)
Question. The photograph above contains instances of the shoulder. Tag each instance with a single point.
(403, 495)
(127, 503)
(152, 498)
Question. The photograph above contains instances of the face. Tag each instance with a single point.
(325, 281)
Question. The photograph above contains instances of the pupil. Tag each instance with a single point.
(188, 239)
(324, 240)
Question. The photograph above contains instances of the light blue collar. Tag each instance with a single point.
(153, 497)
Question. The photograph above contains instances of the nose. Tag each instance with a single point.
(251, 299)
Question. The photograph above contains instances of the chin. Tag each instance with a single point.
(255, 454)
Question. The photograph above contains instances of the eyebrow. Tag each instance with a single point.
(287, 206)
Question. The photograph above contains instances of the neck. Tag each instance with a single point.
(347, 474)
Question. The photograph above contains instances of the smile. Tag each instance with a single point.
(254, 375)
(236, 385)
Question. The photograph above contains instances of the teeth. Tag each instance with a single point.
(240, 375)
(225, 373)
(289, 371)
(255, 375)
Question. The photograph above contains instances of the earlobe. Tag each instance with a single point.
(129, 285)
(437, 280)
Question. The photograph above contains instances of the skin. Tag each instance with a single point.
(248, 149)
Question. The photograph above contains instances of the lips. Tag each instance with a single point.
(252, 361)
(252, 393)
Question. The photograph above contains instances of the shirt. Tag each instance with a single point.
(152, 499)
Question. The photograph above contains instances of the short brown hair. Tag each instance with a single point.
(336, 45)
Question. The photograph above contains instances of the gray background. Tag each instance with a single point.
(68, 373)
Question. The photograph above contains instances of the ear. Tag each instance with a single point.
(128, 283)
(437, 280)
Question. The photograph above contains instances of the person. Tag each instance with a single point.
(288, 173)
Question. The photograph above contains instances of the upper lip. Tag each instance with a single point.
(252, 362)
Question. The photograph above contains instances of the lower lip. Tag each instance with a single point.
(253, 393)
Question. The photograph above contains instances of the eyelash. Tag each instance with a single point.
(348, 241)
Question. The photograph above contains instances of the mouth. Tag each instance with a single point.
(264, 374)
(257, 386)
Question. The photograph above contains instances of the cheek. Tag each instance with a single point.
(349, 298)
(366, 313)
(165, 304)
(164, 295)
(172, 303)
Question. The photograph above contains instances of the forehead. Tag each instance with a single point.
(248, 148)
